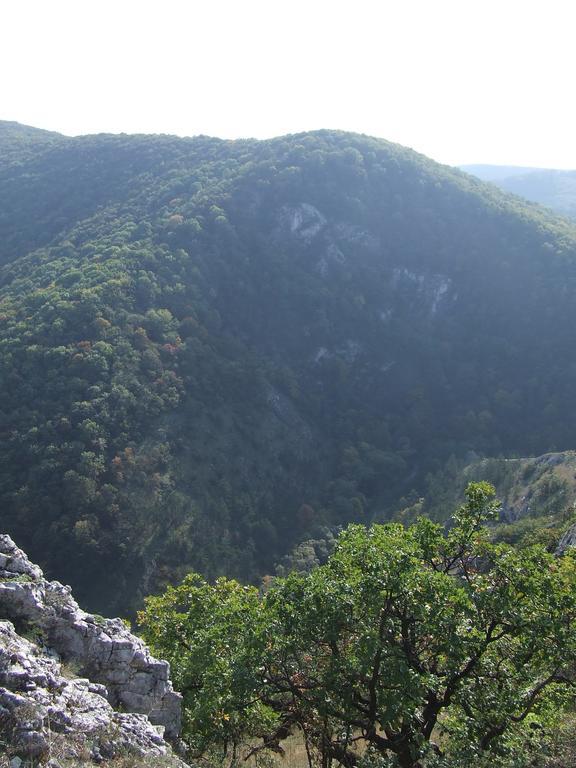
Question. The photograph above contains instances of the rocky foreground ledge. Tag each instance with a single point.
(74, 687)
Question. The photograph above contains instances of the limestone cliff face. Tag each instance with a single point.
(114, 670)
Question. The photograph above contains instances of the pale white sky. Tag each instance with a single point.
(463, 81)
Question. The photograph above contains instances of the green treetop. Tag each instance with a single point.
(412, 644)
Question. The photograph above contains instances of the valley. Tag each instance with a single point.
(213, 350)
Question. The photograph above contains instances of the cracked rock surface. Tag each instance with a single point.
(68, 676)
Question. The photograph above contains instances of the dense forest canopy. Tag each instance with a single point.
(211, 350)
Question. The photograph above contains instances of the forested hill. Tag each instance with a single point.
(211, 350)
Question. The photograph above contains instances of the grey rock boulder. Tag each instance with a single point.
(114, 668)
(43, 712)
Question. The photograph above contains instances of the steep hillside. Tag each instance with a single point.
(538, 495)
(212, 350)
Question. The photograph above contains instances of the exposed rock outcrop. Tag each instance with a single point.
(567, 541)
(304, 221)
(114, 670)
(43, 713)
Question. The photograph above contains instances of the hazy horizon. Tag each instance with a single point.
(463, 83)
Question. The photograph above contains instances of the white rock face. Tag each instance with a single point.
(120, 671)
(42, 712)
(304, 221)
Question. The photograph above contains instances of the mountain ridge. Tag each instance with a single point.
(212, 350)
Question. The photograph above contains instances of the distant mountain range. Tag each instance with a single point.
(553, 188)
(212, 350)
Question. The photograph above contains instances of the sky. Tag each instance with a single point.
(462, 81)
